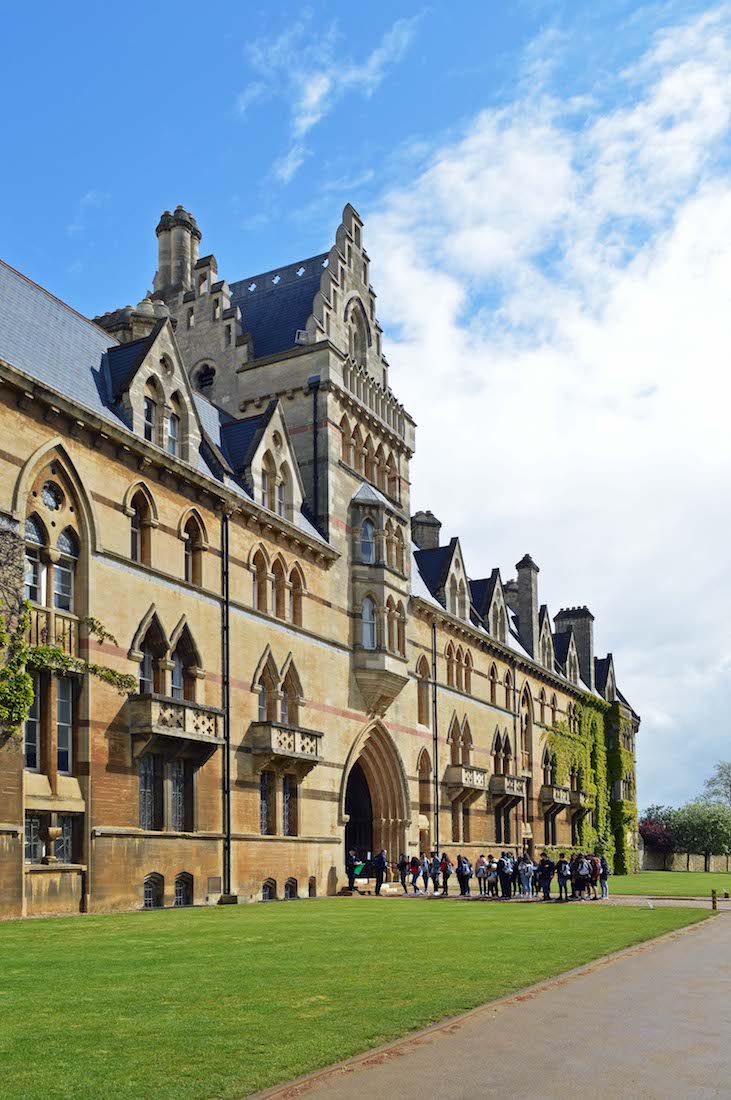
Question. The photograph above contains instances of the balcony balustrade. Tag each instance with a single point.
(174, 727)
(555, 797)
(465, 783)
(285, 747)
(51, 627)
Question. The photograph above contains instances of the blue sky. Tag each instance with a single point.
(546, 194)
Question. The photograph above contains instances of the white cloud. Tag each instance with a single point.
(557, 282)
(310, 68)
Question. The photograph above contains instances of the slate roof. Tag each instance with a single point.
(482, 592)
(433, 565)
(561, 645)
(601, 671)
(274, 310)
(240, 438)
(124, 360)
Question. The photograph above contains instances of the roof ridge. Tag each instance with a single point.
(43, 290)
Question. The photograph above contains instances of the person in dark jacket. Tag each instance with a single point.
(436, 870)
(351, 861)
(563, 874)
(403, 870)
(505, 874)
(545, 873)
(380, 866)
(446, 869)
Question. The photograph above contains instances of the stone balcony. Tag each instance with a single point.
(51, 627)
(465, 783)
(174, 727)
(284, 747)
(507, 790)
(553, 797)
(579, 800)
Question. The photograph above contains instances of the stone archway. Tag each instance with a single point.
(374, 771)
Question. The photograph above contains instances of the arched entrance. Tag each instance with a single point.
(374, 796)
(359, 809)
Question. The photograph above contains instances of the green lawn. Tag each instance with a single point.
(206, 1003)
(671, 884)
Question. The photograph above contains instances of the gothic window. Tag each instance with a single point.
(140, 524)
(174, 421)
(462, 600)
(391, 625)
(64, 571)
(542, 705)
(508, 691)
(450, 665)
(289, 805)
(390, 555)
(269, 890)
(399, 547)
(400, 629)
(154, 650)
(346, 442)
(493, 684)
(466, 746)
(266, 804)
(35, 849)
(454, 740)
(185, 664)
(181, 795)
(267, 706)
(423, 694)
(368, 624)
(151, 792)
(63, 847)
(64, 724)
(153, 893)
(280, 590)
(290, 889)
(547, 766)
(193, 543)
(554, 709)
(183, 890)
(291, 694)
(151, 412)
(453, 596)
(260, 581)
(296, 590)
(35, 570)
(392, 479)
(32, 731)
(268, 481)
(468, 673)
(367, 543)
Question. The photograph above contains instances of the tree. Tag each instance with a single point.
(718, 785)
(19, 659)
(703, 827)
(657, 828)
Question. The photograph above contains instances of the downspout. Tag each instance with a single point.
(313, 384)
(516, 742)
(435, 728)
(226, 700)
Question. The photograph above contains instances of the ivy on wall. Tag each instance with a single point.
(621, 762)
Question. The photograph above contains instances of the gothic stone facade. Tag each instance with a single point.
(221, 476)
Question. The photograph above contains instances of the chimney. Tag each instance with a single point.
(425, 528)
(582, 620)
(528, 604)
(178, 237)
(510, 591)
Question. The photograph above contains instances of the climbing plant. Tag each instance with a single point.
(621, 762)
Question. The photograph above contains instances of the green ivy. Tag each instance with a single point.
(623, 811)
(20, 660)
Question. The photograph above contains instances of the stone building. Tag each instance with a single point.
(220, 474)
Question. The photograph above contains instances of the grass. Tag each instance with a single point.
(671, 884)
(218, 1003)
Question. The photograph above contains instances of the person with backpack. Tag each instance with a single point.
(481, 873)
(505, 874)
(583, 875)
(351, 862)
(596, 867)
(604, 873)
(525, 872)
(415, 868)
(380, 866)
(446, 869)
(436, 870)
(425, 870)
(491, 877)
(514, 878)
(468, 873)
(403, 870)
(546, 868)
(563, 875)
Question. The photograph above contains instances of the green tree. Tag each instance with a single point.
(718, 785)
(703, 827)
(19, 659)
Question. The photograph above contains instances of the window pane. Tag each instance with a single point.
(178, 679)
(147, 674)
(34, 847)
(173, 434)
(64, 723)
(265, 801)
(177, 777)
(64, 847)
(149, 413)
(33, 576)
(33, 728)
(63, 585)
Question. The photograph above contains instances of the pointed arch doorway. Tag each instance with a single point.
(374, 796)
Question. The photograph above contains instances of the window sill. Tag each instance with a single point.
(46, 868)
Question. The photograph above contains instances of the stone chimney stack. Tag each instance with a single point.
(582, 620)
(510, 591)
(425, 528)
(528, 604)
(178, 238)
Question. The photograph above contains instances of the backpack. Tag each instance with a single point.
(584, 870)
(606, 869)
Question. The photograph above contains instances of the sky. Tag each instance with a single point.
(545, 190)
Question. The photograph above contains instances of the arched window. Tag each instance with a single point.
(493, 684)
(554, 709)
(291, 697)
(64, 570)
(501, 627)
(268, 481)
(423, 701)
(449, 654)
(296, 590)
(267, 706)
(183, 890)
(454, 741)
(358, 451)
(390, 555)
(466, 747)
(174, 421)
(312, 887)
(453, 596)
(185, 666)
(346, 442)
(154, 890)
(35, 570)
(507, 755)
(193, 552)
(459, 669)
(547, 765)
(468, 672)
(462, 600)
(368, 542)
(140, 526)
(368, 623)
(260, 572)
(400, 629)
(369, 458)
(290, 889)
(508, 691)
(392, 479)
(497, 754)
(399, 546)
(391, 625)
(269, 890)
(280, 590)
(154, 650)
(542, 705)
(379, 468)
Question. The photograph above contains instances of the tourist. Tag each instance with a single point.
(446, 868)
(546, 868)
(460, 874)
(351, 861)
(468, 873)
(563, 874)
(425, 870)
(604, 873)
(403, 870)
(525, 873)
(515, 878)
(415, 868)
(491, 876)
(574, 866)
(505, 874)
(583, 875)
(380, 865)
(436, 870)
(595, 864)
(481, 871)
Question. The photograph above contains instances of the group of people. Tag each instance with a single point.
(583, 877)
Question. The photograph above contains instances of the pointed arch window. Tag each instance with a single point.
(548, 770)
(423, 693)
(183, 890)
(466, 745)
(459, 669)
(296, 590)
(260, 581)
(174, 421)
(468, 672)
(400, 629)
(368, 623)
(450, 665)
(280, 590)
(140, 525)
(150, 419)
(399, 546)
(154, 890)
(185, 665)
(493, 684)
(346, 442)
(554, 709)
(391, 625)
(153, 650)
(368, 542)
(455, 743)
(193, 552)
(508, 691)
(34, 571)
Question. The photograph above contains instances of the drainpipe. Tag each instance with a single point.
(313, 386)
(226, 663)
(516, 742)
(435, 729)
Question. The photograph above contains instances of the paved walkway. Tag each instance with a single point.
(650, 1024)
